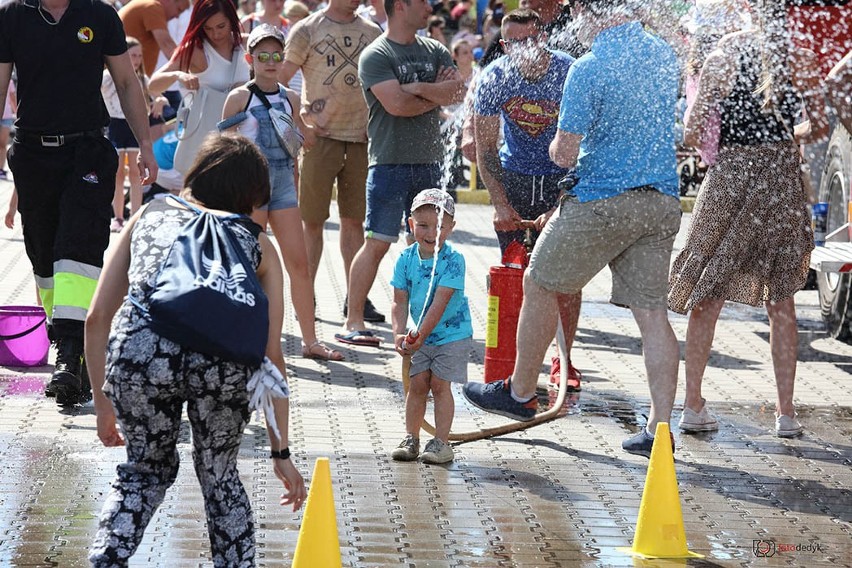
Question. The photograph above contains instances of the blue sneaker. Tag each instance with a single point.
(642, 443)
(496, 397)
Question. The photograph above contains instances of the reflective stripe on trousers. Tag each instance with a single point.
(69, 293)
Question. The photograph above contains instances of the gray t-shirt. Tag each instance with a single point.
(397, 139)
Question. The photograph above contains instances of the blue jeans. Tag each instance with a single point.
(390, 190)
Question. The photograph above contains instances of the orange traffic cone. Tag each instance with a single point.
(318, 545)
(659, 529)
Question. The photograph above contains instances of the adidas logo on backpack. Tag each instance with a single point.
(219, 280)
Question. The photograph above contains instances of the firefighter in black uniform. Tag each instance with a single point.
(63, 166)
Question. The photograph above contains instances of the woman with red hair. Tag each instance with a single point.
(210, 55)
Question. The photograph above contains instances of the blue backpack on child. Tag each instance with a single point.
(207, 296)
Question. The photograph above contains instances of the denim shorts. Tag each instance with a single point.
(282, 186)
(390, 190)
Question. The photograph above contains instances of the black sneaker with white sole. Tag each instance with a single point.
(371, 315)
(642, 443)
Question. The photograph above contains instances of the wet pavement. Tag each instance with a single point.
(559, 494)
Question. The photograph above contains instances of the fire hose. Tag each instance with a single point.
(539, 418)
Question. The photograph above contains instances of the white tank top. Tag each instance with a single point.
(218, 74)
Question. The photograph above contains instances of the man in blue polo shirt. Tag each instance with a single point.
(616, 124)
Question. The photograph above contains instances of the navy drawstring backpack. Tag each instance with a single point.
(207, 296)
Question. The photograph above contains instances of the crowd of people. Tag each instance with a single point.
(259, 113)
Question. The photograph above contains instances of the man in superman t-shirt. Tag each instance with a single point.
(524, 89)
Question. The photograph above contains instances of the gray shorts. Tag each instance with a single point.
(632, 232)
(447, 362)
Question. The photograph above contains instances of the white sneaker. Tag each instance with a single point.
(786, 427)
(437, 452)
(691, 421)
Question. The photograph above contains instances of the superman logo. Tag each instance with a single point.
(531, 116)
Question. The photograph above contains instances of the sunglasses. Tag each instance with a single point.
(265, 56)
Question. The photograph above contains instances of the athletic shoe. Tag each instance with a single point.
(65, 383)
(437, 452)
(574, 375)
(496, 397)
(407, 450)
(691, 421)
(371, 315)
(642, 443)
(787, 427)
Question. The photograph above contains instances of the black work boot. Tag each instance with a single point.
(65, 382)
(85, 384)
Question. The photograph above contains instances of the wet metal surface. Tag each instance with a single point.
(560, 494)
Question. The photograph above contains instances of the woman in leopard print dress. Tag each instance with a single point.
(148, 377)
(750, 238)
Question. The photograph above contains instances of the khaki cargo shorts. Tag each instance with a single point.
(329, 161)
(632, 233)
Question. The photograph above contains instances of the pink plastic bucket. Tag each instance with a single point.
(23, 336)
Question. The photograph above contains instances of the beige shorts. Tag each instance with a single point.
(329, 161)
(633, 233)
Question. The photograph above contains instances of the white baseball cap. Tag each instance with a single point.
(437, 198)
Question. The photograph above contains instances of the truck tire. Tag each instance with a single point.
(835, 290)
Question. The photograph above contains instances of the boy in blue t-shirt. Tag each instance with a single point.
(438, 306)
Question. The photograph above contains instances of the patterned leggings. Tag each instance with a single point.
(148, 381)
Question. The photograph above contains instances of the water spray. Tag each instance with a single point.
(415, 333)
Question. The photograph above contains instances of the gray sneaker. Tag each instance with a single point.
(642, 443)
(407, 450)
(704, 421)
(437, 452)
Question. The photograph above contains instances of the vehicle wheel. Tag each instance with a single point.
(835, 290)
